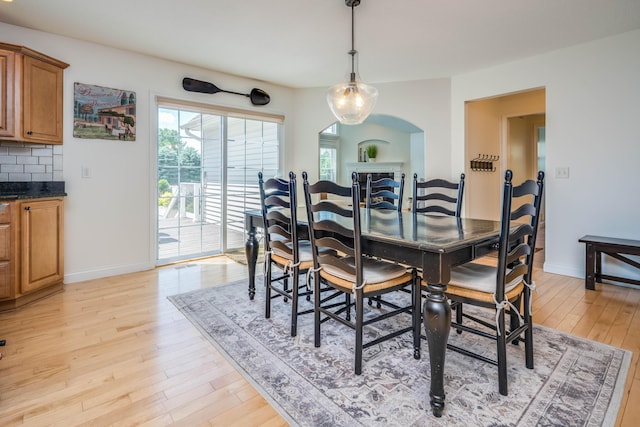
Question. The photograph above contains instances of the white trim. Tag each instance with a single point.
(563, 270)
(375, 166)
(107, 272)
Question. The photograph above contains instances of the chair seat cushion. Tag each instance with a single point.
(373, 270)
(286, 263)
(479, 277)
(304, 251)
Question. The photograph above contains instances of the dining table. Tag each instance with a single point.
(433, 244)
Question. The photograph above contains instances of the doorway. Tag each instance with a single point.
(523, 140)
(207, 169)
(510, 128)
(526, 155)
(401, 148)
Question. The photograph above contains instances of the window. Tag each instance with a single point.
(328, 164)
(331, 130)
(329, 143)
(252, 147)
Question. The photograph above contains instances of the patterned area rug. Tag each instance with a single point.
(575, 381)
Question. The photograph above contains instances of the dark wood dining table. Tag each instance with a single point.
(433, 244)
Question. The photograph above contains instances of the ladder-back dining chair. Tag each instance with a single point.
(437, 196)
(285, 249)
(384, 193)
(505, 288)
(381, 193)
(334, 224)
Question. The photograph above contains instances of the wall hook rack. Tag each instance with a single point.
(484, 163)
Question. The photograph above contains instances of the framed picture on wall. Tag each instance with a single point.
(103, 113)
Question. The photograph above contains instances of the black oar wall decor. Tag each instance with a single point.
(257, 96)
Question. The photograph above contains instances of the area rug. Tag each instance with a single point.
(576, 382)
(240, 256)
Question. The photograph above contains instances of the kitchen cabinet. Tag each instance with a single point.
(31, 94)
(7, 266)
(35, 250)
(7, 98)
(41, 237)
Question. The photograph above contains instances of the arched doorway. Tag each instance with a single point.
(401, 148)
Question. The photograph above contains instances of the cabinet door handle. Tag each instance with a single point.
(27, 208)
(30, 133)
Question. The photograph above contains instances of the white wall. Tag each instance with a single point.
(592, 113)
(109, 218)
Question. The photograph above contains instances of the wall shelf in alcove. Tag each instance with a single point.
(362, 146)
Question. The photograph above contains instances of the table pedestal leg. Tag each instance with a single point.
(251, 248)
(437, 321)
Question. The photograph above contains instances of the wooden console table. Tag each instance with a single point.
(596, 246)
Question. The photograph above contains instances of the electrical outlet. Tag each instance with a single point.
(86, 172)
(562, 172)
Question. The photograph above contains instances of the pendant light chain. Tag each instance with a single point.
(353, 52)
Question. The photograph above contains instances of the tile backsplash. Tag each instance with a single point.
(30, 162)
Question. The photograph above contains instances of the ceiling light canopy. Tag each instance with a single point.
(352, 101)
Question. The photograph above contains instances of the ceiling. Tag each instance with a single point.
(304, 43)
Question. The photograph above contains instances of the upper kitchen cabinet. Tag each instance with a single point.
(31, 95)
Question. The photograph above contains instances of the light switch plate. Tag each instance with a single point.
(562, 172)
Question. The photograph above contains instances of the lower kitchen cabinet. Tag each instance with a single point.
(7, 269)
(35, 261)
(41, 237)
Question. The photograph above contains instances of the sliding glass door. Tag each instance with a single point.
(189, 184)
(207, 168)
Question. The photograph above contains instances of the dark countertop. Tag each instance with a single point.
(31, 189)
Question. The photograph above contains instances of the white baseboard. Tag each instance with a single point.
(107, 272)
(563, 270)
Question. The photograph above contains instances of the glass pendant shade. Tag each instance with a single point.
(352, 101)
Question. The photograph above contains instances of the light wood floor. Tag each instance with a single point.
(115, 351)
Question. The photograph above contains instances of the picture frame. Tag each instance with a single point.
(103, 113)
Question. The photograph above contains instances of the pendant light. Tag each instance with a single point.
(352, 101)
